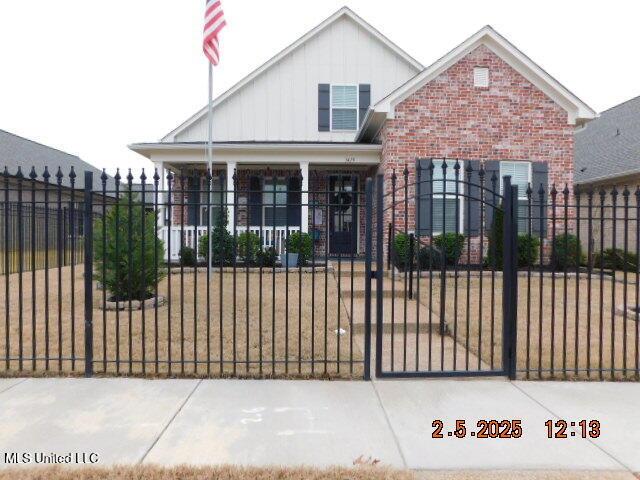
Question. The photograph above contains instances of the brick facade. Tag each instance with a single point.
(450, 118)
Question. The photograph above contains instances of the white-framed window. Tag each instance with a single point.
(520, 173)
(447, 206)
(344, 107)
(274, 201)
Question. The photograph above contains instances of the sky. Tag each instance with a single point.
(91, 76)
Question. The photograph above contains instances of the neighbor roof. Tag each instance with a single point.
(609, 147)
(577, 110)
(16, 151)
(343, 12)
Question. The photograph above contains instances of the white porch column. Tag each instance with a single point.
(304, 197)
(231, 168)
(162, 200)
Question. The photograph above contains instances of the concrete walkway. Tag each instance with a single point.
(319, 423)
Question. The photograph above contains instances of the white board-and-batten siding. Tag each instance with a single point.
(281, 104)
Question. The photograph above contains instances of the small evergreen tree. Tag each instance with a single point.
(129, 273)
(221, 242)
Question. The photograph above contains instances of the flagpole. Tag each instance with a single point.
(210, 159)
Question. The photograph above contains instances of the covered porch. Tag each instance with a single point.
(272, 189)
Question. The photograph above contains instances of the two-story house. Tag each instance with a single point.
(344, 103)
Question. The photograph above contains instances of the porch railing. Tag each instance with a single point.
(271, 237)
(192, 235)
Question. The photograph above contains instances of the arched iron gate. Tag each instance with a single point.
(445, 270)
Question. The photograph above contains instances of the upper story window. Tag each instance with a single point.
(344, 107)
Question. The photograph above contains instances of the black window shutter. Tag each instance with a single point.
(424, 179)
(293, 202)
(364, 92)
(472, 203)
(255, 201)
(324, 98)
(491, 168)
(539, 177)
(193, 200)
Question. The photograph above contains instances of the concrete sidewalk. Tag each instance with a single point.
(320, 423)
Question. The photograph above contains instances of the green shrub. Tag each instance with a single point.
(400, 252)
(302, 244)
(614, 259)
(266, 257)
(187, 257)
(567, 251)
(528, 249)
(221, 243)
(114, 266)
(528, 245)
(248, 246)
(451, 246)
(429, 257)
(495, 253)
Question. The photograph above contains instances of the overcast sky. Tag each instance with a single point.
(89, 77)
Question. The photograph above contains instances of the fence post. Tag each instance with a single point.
(510, 279)
(379, 270)
(88, 273)
(367, 286)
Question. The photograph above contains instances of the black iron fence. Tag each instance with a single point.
(269, 274)
(36, 229)
(488, 278)
(184, 275)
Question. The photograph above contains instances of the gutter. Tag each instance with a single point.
(608, 177)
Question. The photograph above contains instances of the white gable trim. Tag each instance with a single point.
(578, 111)
(344, 11)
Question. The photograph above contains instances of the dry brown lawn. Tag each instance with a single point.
(281, 473)
(206, 473)
(266, 330)
(552, 334)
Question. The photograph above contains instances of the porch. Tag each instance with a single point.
(273, 203)
(275, 237)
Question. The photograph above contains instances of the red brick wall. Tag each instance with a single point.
(449, 117)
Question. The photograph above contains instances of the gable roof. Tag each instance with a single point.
(343, 12)
(16, 151)
(609, 146)
(578, 111)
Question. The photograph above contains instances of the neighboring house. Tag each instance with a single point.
(18, 153)
(608, 149)
(344, 103)
(607, 159)
(58, 222)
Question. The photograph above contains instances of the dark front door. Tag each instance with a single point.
(343, 217)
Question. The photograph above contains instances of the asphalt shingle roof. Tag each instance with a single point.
(609, 146)
(16, 151)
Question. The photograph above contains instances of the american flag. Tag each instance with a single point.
(213, 22)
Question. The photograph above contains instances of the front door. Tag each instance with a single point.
(343, 218)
